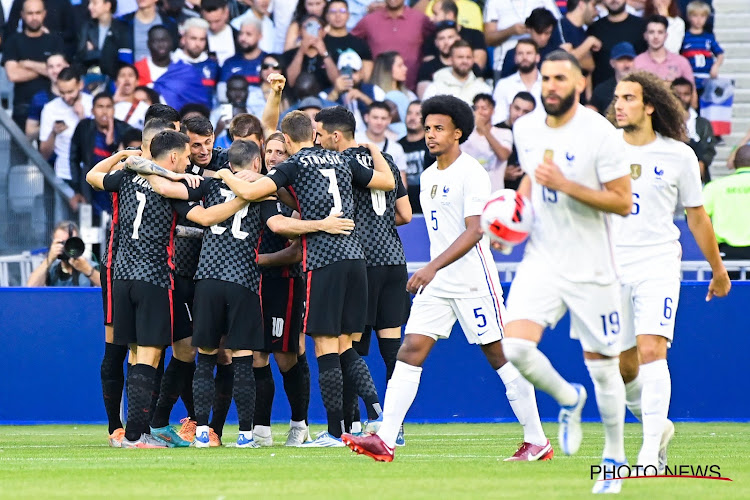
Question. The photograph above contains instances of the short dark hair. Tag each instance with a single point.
(245, 125)
(378, 105)
(525, 96)
(561, 55)
(337, 118)
(159, 110)
(199, 125)
(68, 74)
(681, 80)
(659, 19)
(447, 6)
(126, 65)
(483, 97)
(167, 141)
(458, 110)
(459, 44)
(242, 154)
(298, 126)
(212, 5)
(540, 19)
(194, 107)
(529, 41)
(100, 96)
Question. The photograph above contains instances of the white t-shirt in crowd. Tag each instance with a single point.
(448, 197)
(572, 235)
(56, 110)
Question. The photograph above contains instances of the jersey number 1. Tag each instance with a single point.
(333, 188)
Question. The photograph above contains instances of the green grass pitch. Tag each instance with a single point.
(439, 462)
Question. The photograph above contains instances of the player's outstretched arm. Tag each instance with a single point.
(291, 228)
(250, 191)
(286, 257)
(270, 117)
(217, 213)
(703, 232)
(95, 176)
(616, 197)
(463, 244)
(403, 211)
(382, 177)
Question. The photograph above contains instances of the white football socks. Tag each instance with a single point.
(610, 398)
(400, 394)
(655, 396)
(522, 399)
(538, 370)
(633, 396)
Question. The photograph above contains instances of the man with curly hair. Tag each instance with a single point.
(460, 283)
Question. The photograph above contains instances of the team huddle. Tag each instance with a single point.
(238, 260)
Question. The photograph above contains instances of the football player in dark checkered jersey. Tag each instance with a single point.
(376, 214)
(228, 281)
(142, 285)
(321, 181)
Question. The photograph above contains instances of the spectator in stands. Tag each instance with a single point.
(622, 56)
(101, 38)
(178, 82)
(221, 116)
(247, 61)
(59, 269)
(351, 91)
(194, 51)
(259, 11)
(572, 29)
(676, 28)
(59, 20)
(700, 46)
(446, 11)
(94, 140)
(377, 119)
(446, 34)
(55, 64)
(417, 155)
(24, 58)
(541, 24)
(59, 119)
(311, 56)
(523, 103)
(222, 38)
(390, 73)
(338, 39)
(727, 202)
(459, 80)
(618, 26)
(396, 28)
(490, 146)
(699, 130)
(657, 59)
(141, 21)
(467, 13)
(504, 24)
(127, 107)
(305, 9)
(527, 78)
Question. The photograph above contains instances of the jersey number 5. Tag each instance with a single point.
(333, 188)
(236, 219)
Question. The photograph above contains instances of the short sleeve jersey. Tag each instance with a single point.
(321, 182)
(375, 215)
(448, 197)
(571, 235)
(271, 242)
(229, 250)
(664, 173)
(147, 221)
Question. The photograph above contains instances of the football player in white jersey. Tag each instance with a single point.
(576, 178)
(665, 174)
(460, 283)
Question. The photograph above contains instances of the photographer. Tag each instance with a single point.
(65, 265)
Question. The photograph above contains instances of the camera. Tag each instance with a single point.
(73, 247)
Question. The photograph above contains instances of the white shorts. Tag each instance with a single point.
(542, 297)
(649, 308)
(480, 317)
